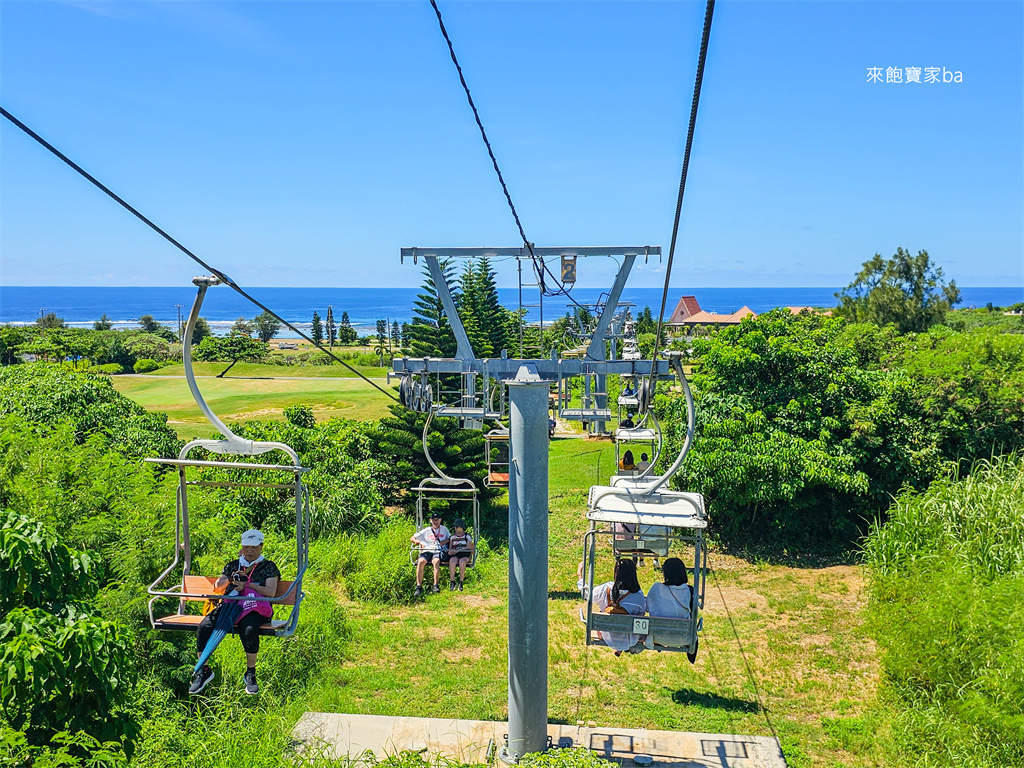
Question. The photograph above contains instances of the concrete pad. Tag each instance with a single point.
(471, 741)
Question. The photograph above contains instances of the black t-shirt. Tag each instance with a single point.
(265, 569)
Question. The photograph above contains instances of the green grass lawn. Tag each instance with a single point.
(261, 370)
(240, 399)
(801, 630)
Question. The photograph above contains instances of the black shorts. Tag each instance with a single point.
(429, 557)
(460, 555)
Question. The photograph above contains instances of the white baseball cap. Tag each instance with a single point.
(252, 538)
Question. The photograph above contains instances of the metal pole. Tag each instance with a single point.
(527, 566)
(522, 317)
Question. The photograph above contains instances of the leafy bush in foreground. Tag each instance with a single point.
(947, 607)
(62, 668)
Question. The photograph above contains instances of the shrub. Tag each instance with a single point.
(300, 416)
(145, 365)
(571, 757)
(62, 668)
(108, 368)
(48, 394)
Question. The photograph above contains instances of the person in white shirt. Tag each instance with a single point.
(624, 591)
(433, 544)
(670, 600)
(460, 553)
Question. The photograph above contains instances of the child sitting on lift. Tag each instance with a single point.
(460, 554)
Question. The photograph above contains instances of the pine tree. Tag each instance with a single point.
(346, 333)
(496, 320)
(645, 322)
(318, 329)
(430, 332)
(396, 334)
(331, 329)
(471, 310)
(459, 452)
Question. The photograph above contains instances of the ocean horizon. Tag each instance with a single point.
(82, 306)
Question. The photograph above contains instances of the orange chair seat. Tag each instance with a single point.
(499, 477)
(194, 587)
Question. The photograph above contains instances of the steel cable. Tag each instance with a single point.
(746, 663)
(220, 275)
(701, 59)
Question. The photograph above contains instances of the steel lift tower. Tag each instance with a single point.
(529, 382)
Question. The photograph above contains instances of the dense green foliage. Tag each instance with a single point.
(231, 349)
(47, 394)
(907, 291)
(808, 425)
(62, 666)
(947, 597)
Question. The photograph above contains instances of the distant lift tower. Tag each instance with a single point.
(529, 382)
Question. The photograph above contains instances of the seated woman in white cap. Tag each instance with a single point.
(250, 574)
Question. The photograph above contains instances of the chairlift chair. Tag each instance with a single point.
(640, 517)
(198, 587)
(646, 432)
(588, 410)
(496, 441)
(443, 487)
(673, 516)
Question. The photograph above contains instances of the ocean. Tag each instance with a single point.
(81, 306)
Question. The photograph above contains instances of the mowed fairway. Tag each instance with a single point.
(238, 399)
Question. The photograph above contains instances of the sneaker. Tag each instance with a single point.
(200, 680)
(249, 678)
(418, 592)
(435, 589)
(460, 586)
(451, 586)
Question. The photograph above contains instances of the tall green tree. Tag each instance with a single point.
(50, 320)
(490, 327)
(396, 334)
(267, 326)
(200, 330)
(430, 332)
(332, 330)
(645, 322)
(346, 333)
(318, 329)
(103, 324)
(908, 291)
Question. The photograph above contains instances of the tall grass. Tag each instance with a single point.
(977, 521)
(947, 607)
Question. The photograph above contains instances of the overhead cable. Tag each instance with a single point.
(702, 57)
(539, 265)
(223, 278)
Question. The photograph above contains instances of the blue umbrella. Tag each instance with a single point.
(227, 614)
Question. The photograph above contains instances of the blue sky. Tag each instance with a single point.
(304, 143)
